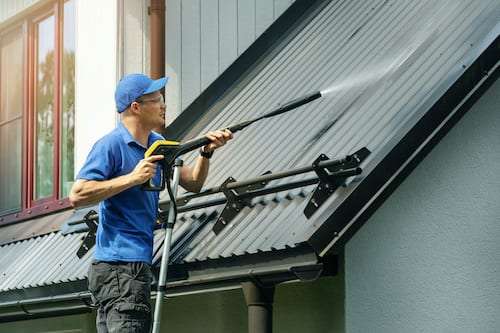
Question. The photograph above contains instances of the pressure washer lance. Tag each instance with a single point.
(171, 150)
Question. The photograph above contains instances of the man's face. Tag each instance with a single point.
(153, 110)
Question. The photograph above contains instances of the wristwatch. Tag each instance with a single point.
(205, 154)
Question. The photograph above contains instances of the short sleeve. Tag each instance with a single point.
(99, 164)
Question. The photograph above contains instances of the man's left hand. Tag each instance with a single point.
(218, 138)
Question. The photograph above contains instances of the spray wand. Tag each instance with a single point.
(171, 149)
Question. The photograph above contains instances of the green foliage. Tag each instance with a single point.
(44, 127)
(68, 122)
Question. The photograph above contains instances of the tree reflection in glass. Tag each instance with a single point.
(68, 99)
(44, 115)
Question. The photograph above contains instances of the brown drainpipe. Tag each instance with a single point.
(157, 42)
(157, 38)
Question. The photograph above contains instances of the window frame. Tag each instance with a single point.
(30, 206)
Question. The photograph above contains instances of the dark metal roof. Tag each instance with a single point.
(34, 227)
(388, 64)
(41, 261)
(266, 226)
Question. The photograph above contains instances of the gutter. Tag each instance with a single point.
(45, 307)
(264, 269)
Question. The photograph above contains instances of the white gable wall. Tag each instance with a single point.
(95, 74)
(428, 259)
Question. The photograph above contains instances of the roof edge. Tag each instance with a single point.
(266, 268)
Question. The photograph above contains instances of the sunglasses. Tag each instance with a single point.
(154, 100)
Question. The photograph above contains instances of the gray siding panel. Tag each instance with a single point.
(280, 6)
(264, 15)
(205, 37)
(209, 41)
(173, 59)
(191, 49)
(246, 24)
(228, 34)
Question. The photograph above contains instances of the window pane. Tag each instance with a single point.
(11, 104)
(44, 114)
(68, 99)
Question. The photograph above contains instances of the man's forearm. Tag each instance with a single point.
(90, 192)
(193, 178)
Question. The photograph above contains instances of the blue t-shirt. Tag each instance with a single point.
(126, 220)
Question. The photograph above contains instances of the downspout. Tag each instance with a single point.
(157, 38)
(259, 301)
(157, 42)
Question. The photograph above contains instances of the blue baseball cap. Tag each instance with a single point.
(133, 86)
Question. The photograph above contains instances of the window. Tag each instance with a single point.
(37, 71)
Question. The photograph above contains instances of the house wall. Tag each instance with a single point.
(118, 45)
(204, 37)
(96, 73)
(84, 323)
(428, 260)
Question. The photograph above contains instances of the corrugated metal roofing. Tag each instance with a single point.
(41, 261)
(386, 62)
(31, 228)
(259, 228)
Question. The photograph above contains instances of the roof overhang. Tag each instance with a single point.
(264, 268)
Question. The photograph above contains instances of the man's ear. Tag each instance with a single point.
(135, 107)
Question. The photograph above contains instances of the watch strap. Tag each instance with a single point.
(205, 154)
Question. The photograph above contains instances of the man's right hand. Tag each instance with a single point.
(145, 169)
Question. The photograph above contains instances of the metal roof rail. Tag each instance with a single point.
(330, 174)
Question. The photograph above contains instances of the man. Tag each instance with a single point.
(120, 274)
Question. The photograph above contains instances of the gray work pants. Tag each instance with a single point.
(122, 292)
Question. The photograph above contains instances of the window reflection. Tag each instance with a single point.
(68, 99)
(44, 113)
(11, 104)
